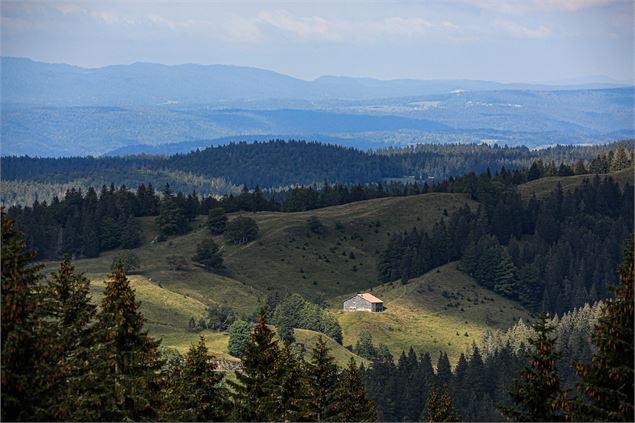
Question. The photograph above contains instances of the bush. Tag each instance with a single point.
(316, 226)
(176, 262)
(219, 317)
(129, 261)
(209, 255)
(241, 230)
(216, 221)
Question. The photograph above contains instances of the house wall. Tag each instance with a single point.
(357, 303)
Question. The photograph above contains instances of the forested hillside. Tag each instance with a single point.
(275, 165)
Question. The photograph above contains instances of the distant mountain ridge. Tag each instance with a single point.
(25, 81)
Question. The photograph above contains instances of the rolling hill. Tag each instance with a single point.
(325, 267)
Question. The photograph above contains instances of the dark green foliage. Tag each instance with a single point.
(196, 394)
(209, 255)
(129, 262)
(128, 355)
(295, 312)
(606, 385)
(219, 317)
(292, 395)
(537, 395)
(440, 409)
(177, 263)
(20, 310)
(256, 391)
(352, 402)
(172, 219)
(74, 392)
(322, 378)
(216, 221)
(241, 230)
(239, 336)
(364, 346)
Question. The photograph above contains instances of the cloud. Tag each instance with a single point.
(520, 31)
(528, 6)
(319, 28)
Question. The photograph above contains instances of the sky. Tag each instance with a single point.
(506, 41)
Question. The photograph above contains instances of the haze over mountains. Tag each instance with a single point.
(62, 110)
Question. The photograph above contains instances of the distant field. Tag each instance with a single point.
(417, 314)
(544, 186)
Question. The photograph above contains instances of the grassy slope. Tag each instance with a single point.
(416, 314)
(288, 256)
(285, 246)
(544, 186)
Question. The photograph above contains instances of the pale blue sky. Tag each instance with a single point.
(507, 41)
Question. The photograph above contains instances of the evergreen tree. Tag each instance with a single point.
(537, 395)
(352, 402)
(216, 221)
(74, 392)
(291, 402)
(171, 219)
(322, 377)
(130, 354)
(606, 385)
(440, 409)
(20, 310)
(256, 391)
(197, 394)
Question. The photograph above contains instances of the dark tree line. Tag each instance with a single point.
(276, 164)
(65, 359)
(557, 252)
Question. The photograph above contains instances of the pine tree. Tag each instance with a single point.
(322, 377)
(171, 219)
(256, 392)
(606, 384)
(440, 409)
(352, 402)
(130, 354)
(19, 320)
(536, 394)
(197, 394)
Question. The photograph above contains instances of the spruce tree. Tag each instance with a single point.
(197, 394)
(322, 377)
(440, 409)
(130, 354)
(20, 307)
(256, 391)
(606, 385)
(72, 393)
(209, 255)
(536, 394)
(292, 398)
(352, 402)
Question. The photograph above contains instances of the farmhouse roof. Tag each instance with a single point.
(370, 298)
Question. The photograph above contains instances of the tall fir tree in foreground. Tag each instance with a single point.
(606, 385)
(197, 394)
(536, 394)
(129, 353)
(292, 386)
(353, 403)
(70, 323)
(440, 409)
(322, 377)
(256, 392)
(20, 308)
